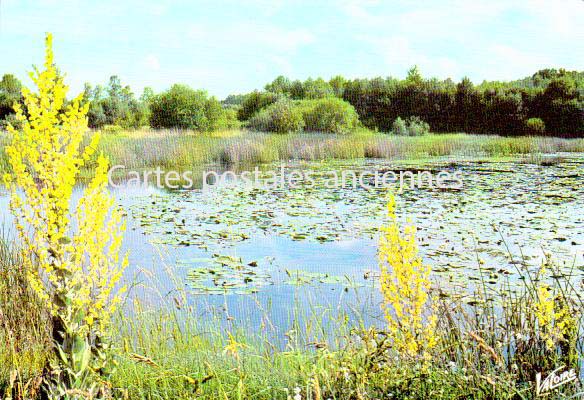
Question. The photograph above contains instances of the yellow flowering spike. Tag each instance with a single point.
(233, 346)
(544, 312)
(71, 252)
(554, 317)
(405, 285)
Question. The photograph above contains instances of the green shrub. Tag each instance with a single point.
(230, 118)
(331, 115)
(417, 127)
(217, 117)
(399, 127)
(317, 89)
(280, 117)
(186, 108)
(412, 126)
(534, 126)
(10, 93)
(256, 101)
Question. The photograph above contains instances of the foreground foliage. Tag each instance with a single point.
(24, 328)
(405, 283)
(70, 258)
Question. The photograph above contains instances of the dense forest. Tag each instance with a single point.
(551, 102)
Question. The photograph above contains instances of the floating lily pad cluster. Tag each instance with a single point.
(222, 274)
(505, 216)
(300, 277)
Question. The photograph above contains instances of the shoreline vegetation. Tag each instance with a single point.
(168, 148)
(489, 346)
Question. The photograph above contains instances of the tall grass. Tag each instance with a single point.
(179, 147)
(490, 346)
(3, 156)
(174, 148)
(177, 350)
(180, 353)
(169, 148)
(24, 327)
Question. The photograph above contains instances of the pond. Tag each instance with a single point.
(253, 252)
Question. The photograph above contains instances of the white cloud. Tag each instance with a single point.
(399, 54)
(359, 11)
(508, 63)
(152, 62)
(560, 17)
(250, 36)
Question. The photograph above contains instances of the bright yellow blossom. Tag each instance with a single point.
(71, 251)
(405, 286)
(554, 318)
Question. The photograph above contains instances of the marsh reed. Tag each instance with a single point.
(176, 149)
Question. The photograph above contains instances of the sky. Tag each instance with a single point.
(229, 46)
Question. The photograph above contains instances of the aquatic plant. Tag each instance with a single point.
(168, 148)
(172, 148)
(71, 257)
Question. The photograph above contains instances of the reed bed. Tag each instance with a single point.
(175, 148)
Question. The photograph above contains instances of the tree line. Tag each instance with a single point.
(550, 102)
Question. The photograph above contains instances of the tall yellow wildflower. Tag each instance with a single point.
(405, 286)
(71, 251)
(554, 317)
(544, 312)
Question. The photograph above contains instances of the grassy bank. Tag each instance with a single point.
(24, 326)
(167, 148)
(489, 346)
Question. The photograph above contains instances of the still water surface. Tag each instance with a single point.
(253, 253)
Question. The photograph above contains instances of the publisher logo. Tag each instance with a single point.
(554, 380)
